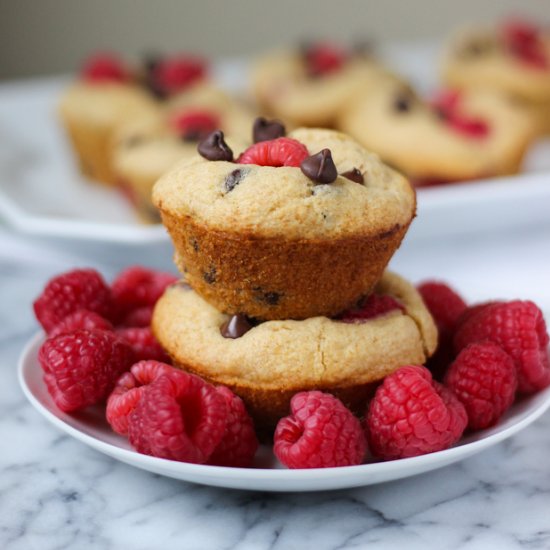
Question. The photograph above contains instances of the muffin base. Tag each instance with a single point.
(276, 359)
(273, 278)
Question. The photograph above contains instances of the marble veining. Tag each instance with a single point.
(57, 494)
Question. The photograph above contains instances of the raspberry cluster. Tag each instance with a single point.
(100, 347)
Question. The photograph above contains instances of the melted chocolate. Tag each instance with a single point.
(233, 179)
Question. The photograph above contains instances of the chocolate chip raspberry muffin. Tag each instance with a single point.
(148, 146)
(457, 136)
(298, 226)
(94, 107)
(513, 59)
(309, 87)
(267, 363)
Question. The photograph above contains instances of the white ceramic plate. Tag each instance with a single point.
(91, 428)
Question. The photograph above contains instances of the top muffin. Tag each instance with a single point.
(273, 241)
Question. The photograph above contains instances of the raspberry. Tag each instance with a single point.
(136, 287)
(484, 379)
(70, 292)
(144, 343)
(105, 67)
(411, 415)
(80, 320)
(128, 391)
(470, 311)
(372, 307)
(445, 306)
(81, 368)
(139, 317)
(523, 40)
(239, 442)
(447, 104)
(518, 327)
(282, 151)
(195, 125)
(320, 433)
(322, 59)
(177, 73)
(179, 417)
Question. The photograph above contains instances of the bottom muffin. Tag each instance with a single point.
(267, 363)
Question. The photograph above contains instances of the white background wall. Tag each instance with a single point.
(48, 36)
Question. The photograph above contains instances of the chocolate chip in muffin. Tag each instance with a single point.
(403, 103)
(267, 297)
(194, 243)
(133, 141)
(477, 47)
(354, 175)
(236, 326)
(363, 47)
(320, 167)
(210, 275)
(214, 147)
(233, 179)
(149, 80)
(266, 130)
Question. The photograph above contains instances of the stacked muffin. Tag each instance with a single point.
(283, 250)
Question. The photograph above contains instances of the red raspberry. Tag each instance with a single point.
(320, 433)
(447, 103)
(282, 151)
(444, 303)
(445, 306)
(470, 311)
(372, 307)
(81, 368)
(322, 59)
(70, 292)
(412, 415)
(136, 287)
(239, 443)
(144, 344)
(128, 391)
(105, 67)
(179, 417)
(484, 379)
(195, 125)
(177, 73)
(523, 40)
(139, 317)
(518, 327)
(80, 320)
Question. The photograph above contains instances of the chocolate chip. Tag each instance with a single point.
(194, 243)
(213, 147)
(193, 135)
(363, 47)
(233, 179)
(134, 141)
(320, 167)
(236, 326)
(150, 63)
(269, 297)
(210, 275)
(265, 130)
(354, 175)
(402, 103)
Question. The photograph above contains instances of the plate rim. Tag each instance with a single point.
(133, 458)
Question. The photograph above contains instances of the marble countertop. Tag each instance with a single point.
(56, 493)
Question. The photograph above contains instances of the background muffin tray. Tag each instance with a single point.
(42, 193)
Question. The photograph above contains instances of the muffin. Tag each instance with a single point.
(94, 107)
(513, 59)
(309, 87)
(267, 363)
(458, 136)
(148, 146)
(283, 235)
